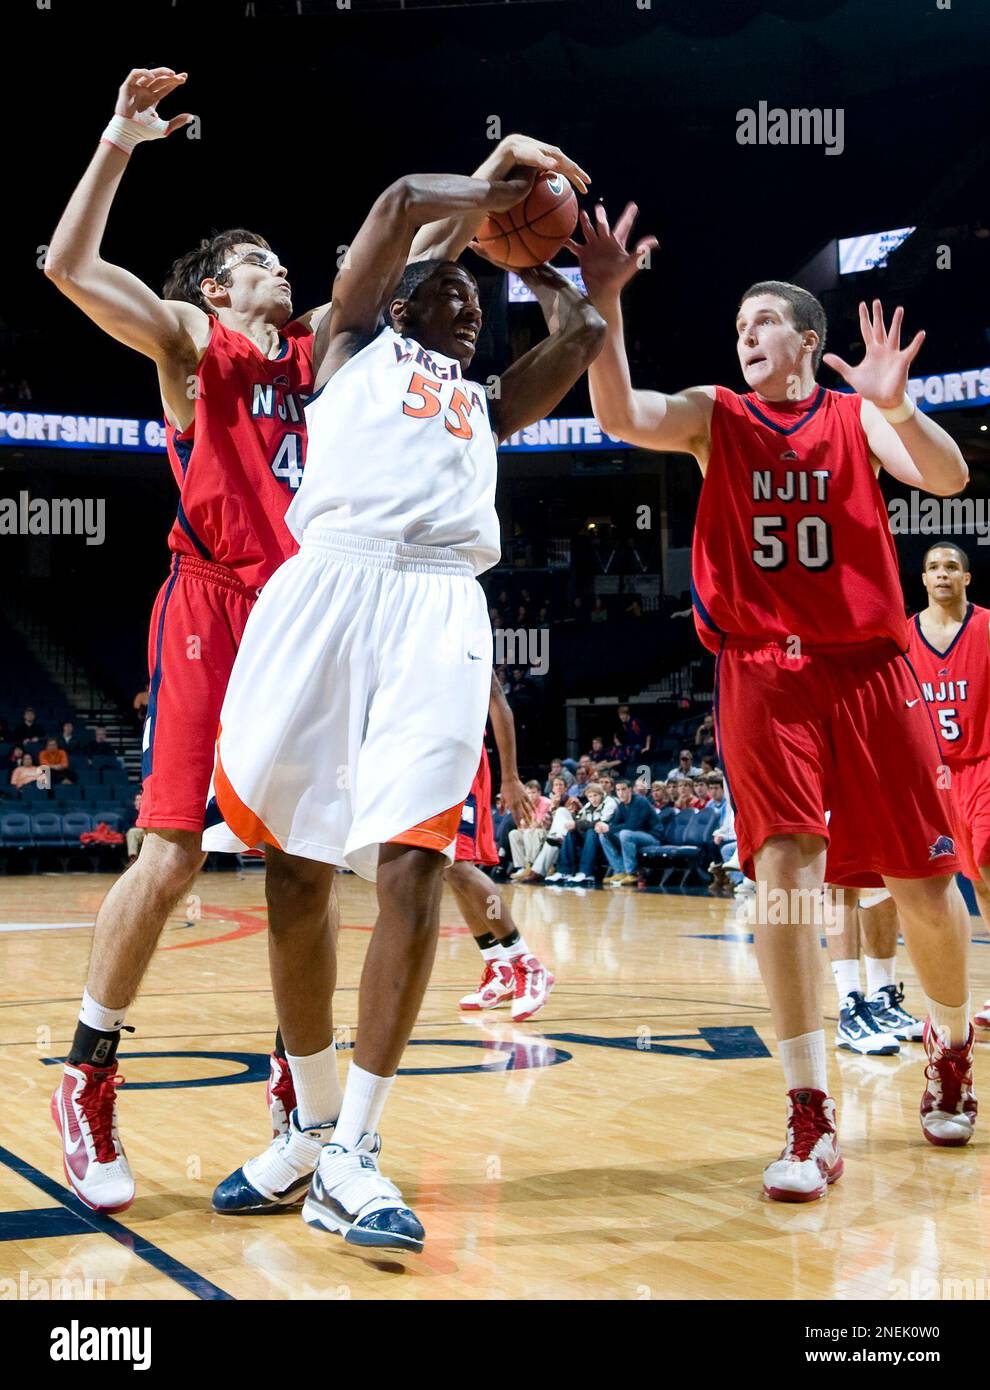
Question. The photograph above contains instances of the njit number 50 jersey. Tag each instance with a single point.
(241, 460)
(956, 685)
(401, 449)
(791, 537)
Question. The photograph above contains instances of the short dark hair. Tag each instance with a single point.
(715, 779)
(947, 545)
(623, 783)
(806, 311)
(414, 275)
(190, 270)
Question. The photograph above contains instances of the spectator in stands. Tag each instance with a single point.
(29, 731)
(701, 796)
(57, 759)
(140, 704)
(597, 753)
(557, 769)
(632, 826)
(134, 834)
(500, 814)
(707, 765)
(607, 783)
(563, 809)
(635, 609)
(641, 786)
(631, 735)
(659, 794)
(525, 845)
(704, 737)
(684, 767)
(68, 739)
(16, 754)
(101, 745)
(581, 779)
(581, 850)
(26, 772)
(599, 613)
(724, 881)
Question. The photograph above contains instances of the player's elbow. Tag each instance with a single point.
(954, 478)
(589, 334)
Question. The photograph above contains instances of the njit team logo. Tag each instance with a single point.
(789, 455)
(943, 845)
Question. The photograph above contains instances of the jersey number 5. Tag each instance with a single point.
(430, 404)
(812, 542)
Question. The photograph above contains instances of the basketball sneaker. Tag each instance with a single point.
(279, 1177)
(349, 1197)
(885, 1006)
(948, 1107)
(532, 983)
(496, 987)
(84, 1108)
(811, 1159)
(858, 1030)
(280, 1094)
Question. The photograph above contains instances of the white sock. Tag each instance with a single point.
(846, 976)
(364, 1100)
(492, 952)
(951, 1024)
(879, 972)
(317, 1086)
(98, 1016)
(804, 1062)
(519, 949)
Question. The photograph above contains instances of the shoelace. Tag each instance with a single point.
(96, 1101)
(952, 1072)
(523, 972)
(807, 1126)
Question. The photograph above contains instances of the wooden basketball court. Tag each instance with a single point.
(610, 1148)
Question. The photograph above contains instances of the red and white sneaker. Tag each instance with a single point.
(948, 1107)
(981, 1021)
(532, 985)
(811, 1159)
(84, 1108)
(280, 1095)
(497, 987)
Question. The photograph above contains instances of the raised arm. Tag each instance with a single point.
(909, 445)
(120, 303)
(539, 380)
(504, 728)
(446, 239)
(380, 251)
(679, 423)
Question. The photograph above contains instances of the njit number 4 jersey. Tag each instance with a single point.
(241, 460)
(956, 684)
(401, 449)
(791, 537)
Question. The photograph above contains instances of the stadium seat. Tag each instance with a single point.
(15, 830)
(66, 791)
(46, 829)
(74, 824)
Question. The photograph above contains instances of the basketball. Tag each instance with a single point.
(535, 229)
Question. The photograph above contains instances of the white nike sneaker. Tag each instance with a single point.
(532, 985)
(84, 1108)
(496, 988)
(811, 1159)
(279, 1177)
(349, 1197)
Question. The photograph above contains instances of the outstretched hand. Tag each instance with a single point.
(606, 262)
(882, 376)
(140, 93)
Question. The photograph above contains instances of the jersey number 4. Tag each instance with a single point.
(812, 542)
(430, 404)
(287, 463)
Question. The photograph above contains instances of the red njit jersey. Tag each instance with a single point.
(956, 684)
(791, 537)
(239, 463)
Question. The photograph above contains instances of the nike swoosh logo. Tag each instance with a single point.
(911, 703)
(472, 657)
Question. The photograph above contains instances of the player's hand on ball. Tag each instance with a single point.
(517, 802)
(546, 159)
(140, 93)
(606, 262)
(882, 376)
(506, 193)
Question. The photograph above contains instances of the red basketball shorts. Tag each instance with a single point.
(196, 627)
(476, 832)
(838, 729)
(970, 797)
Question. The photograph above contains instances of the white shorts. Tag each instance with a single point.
(356, 708)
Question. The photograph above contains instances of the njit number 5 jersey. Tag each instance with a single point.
(401, 449)
(791, 537)
(240, 462)
(956, 685)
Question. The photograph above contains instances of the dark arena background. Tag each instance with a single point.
(610, 1148)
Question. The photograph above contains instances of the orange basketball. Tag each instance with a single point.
(535, 229)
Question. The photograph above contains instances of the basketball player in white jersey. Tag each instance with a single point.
(356, 708)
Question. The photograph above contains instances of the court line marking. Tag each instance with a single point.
(44, 926)
(139, 1245)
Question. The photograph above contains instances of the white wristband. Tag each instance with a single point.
(899, 413)
(125, 132)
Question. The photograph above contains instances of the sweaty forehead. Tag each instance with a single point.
(761, 304)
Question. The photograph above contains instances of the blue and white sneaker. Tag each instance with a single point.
(349, 1197)
(859, 1032)
(279, 1177)
(888, 1015)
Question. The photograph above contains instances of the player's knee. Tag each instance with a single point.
(173, 857)
(410, 880)
(295, 883)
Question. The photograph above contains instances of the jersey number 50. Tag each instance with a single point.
(812, 542)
